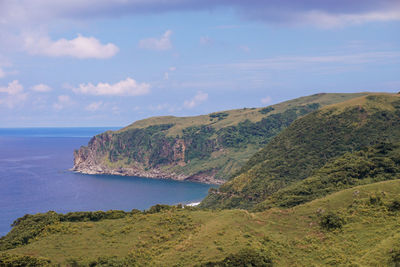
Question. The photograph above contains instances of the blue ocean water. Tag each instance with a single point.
(34, 177)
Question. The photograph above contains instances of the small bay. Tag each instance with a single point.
(35, 177)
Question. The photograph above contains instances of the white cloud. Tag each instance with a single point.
(128, 87)
(94, 106)
(62, 102)
(42, 88)
(13, 88)
(2, 73)
(12, 95)
(266, 100)
(80, 47)
(199, 98)
(164, 43)
(172, 69)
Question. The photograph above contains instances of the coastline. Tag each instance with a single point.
(151, 174)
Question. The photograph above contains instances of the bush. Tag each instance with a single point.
(159, 208)
(394, 206)
(331, 221)
(8, 260)
(396, 257)
(245, 257)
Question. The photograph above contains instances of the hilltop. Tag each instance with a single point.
(208, 148)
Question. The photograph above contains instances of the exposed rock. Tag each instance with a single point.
(90, 160)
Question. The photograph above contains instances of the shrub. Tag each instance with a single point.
(396, 257)
(9, 260)
(245, 257)
(394, 206)
(331, 221)
(159, 208)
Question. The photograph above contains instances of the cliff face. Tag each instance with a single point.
(206, 149)
(100, 157)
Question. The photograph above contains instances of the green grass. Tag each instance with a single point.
(238, 115)
(187, 237)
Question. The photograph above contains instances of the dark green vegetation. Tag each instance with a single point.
(310, 143)
(214, 145)
(353, 227)
(370, 165)
(245, 257)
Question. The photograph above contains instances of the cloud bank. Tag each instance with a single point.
(127, 87)
(325, 13)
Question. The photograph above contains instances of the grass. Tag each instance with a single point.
(237, 115)
(182, 237)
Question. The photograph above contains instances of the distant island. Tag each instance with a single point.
(321, 188)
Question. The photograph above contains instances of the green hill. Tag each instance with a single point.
(353, 227)
(207, 148)
(370, 165)
(307, 145)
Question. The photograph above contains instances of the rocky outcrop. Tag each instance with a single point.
(92, 159)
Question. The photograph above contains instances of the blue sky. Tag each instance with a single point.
(109, 63)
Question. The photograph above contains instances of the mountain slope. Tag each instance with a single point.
(207, 148)
(365, 233)
(370, 165)
(307, 145)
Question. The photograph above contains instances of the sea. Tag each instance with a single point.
(35, 177)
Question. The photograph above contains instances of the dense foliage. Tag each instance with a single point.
(307, 145)
(261, 132)
(371, 164)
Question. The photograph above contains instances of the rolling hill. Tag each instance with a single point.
(207, 148)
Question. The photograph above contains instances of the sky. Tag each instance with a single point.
(73, 63)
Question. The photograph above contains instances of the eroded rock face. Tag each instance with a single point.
(98, 156)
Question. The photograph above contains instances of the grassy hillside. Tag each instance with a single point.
(353, 227)
(195, 148)
(370, 165)
(307, 145)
